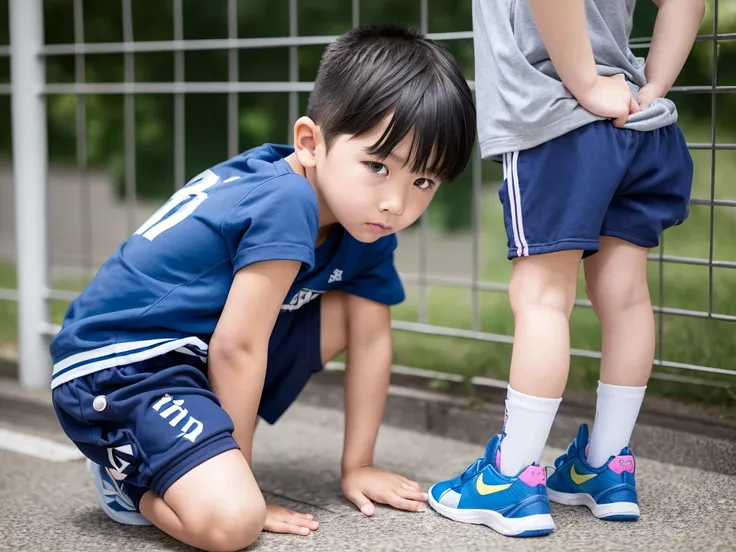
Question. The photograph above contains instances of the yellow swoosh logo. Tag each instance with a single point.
(580, 479)
(484, 489)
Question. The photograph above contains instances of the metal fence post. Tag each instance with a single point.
(30, 168)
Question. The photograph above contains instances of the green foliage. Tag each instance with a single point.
(263, 117)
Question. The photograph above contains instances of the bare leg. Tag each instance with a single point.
(542, 295)
(216, 506)
(616, 280)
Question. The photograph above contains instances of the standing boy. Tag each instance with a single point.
(595, 168)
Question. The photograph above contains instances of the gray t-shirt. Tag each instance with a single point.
(521, 100)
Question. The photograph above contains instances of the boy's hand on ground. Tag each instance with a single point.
(610, 97)
(648, 93)
(283, 520)
(366, 484)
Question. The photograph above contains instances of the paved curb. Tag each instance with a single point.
(656, 411)
(474, 421)
(684, 439)
(704, 420)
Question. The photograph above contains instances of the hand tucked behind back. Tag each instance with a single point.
(648, 93)
(610, 97)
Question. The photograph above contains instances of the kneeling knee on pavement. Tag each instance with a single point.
(225, 523)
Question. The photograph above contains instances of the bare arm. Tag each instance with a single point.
(563, 28)
(367, 376)
(370, 349)
(564, 31)
(239, 346)
(674, 33)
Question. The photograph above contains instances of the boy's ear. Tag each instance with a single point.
(307, 137)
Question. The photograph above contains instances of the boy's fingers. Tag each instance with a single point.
(413, 494)
(411, 483)
(619, 122)
(284, 527)
(303, 522)
(634, 108)
(404, 504)
(362, 502)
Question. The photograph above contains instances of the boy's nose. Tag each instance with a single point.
(393, 204)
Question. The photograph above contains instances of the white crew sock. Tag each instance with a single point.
(527, 426)
(616, 412)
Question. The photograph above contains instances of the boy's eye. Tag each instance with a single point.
(424, 184)
(377, 168)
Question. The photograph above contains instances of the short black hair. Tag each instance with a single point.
(372, 72)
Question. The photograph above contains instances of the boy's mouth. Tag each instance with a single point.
(379, 227)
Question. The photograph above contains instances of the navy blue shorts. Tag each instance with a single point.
(595, 181)
(153, 421)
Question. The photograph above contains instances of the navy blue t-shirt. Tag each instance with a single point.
(165, 287)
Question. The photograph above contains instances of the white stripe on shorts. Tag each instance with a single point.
(519, 218)
(511, 173)
(508, 174)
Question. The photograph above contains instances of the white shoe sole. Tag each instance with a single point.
(536, 525)
(125, 518)
(628, 510)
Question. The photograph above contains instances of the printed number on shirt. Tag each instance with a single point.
(183, 202)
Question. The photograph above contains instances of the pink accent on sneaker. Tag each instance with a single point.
(533, 476)
(498, 459)
(621, 464)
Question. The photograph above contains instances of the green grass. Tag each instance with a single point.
(8, 309)
(684, 339)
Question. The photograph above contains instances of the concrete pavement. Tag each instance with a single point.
(52, 505)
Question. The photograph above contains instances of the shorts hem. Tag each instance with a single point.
(161, 482)
(629, 237)
(553, 247)
(272, 411)
(271, 415)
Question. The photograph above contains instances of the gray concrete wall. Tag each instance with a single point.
(79, 235)
(80, 238)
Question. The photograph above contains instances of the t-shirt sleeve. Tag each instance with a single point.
(378, 280)
(278, 220)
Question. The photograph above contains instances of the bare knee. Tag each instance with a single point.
(218, 505)
(544, 283)
(228, 525)
(545, 295)
(610, 296)
(616, 278)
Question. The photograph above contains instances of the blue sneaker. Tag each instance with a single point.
(609, 492)
(116, 504)
(513, 506)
